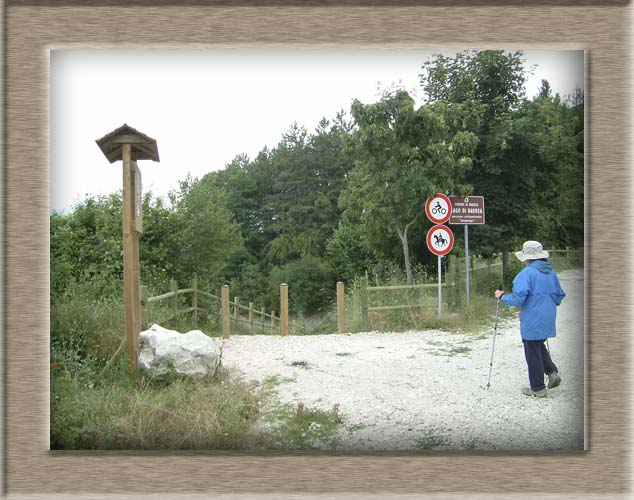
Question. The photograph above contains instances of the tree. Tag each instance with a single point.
(348, 251)
(86, 245)
(208, 229)
(561, 140)
(526, 148)
(402, 156)
(159, 244)
(491, 83)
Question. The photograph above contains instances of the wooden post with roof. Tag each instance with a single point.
(130, 145)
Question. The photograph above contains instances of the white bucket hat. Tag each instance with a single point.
(531, 250)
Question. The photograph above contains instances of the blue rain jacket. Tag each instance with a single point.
(537, 292)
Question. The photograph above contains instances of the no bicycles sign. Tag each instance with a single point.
(438, 208)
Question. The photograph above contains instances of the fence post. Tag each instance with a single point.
(226, 312)
(174, 288)
(195, 301)
(251, 317)
(341, 307)
(272, 321)
(236, 313)
(145, 313)
(284, 309)
(262, 320)
(364, 303)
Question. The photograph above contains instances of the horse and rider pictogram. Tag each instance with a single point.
(440, 240)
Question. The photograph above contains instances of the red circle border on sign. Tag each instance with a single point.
(436, 220)
(449, 247)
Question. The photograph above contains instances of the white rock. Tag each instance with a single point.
(191, 354)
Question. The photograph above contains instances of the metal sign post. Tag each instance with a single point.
(466, 259)
(439, 286)
(440, 242)
(469, 210)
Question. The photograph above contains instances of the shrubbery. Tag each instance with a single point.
(311, 281)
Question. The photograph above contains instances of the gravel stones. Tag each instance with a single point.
(421, 390)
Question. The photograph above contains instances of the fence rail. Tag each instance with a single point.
(450, 285)
(224, 306)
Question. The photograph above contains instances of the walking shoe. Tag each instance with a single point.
(553, 380)
(536, 394)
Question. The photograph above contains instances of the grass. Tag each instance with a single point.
(139, 413)
(451, 351)
(430, 440)
(299, 428)
(219, 413)
(118, 411)
(288, 427)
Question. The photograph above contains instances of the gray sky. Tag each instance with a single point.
(205, 107)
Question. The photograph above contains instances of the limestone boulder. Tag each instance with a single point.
(164, 352)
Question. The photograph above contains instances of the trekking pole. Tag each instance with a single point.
(495, 331)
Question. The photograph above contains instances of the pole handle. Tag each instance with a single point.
(500, 287)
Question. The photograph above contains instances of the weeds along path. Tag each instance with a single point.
(427, 389)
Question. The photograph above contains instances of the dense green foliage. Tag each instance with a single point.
(348, 198)
(528, 164)
(342, 202)
(402, 156)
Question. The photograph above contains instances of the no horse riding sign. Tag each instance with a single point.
(440, 240)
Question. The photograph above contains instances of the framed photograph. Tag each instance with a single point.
(46, 111)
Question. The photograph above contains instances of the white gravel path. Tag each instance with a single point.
(410, 390)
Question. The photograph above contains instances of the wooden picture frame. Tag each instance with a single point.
(34, 27)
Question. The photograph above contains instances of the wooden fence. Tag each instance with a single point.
(365, 290)
(455, 268)
(230, 312)
(556, 257)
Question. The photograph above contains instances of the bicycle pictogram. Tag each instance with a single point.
(438, 209)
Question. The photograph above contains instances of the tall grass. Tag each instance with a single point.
(138, 413)
(97, 410)
(456, 314)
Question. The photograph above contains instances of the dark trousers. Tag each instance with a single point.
(539, 362)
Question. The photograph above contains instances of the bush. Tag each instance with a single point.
(311, 284)
(86, 327)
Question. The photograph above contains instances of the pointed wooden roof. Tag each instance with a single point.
(143, 147)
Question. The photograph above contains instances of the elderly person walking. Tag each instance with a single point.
(537, 292)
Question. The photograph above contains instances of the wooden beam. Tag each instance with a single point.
(131, 276)
(284, 309)
(226, 314)
(341, 308)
